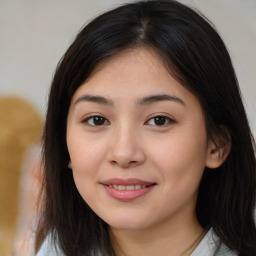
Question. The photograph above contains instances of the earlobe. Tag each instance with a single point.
(69, 165)
(218, 151)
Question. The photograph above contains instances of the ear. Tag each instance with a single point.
(218, 149)
(69, 164)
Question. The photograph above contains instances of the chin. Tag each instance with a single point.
(127, 223)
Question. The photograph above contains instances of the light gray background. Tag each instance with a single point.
(35, 34)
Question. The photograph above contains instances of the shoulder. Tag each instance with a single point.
(212, 246)
(49, 248)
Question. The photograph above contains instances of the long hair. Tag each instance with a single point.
(196, 56)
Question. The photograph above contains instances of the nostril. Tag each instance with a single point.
(113, 162)
(124, 164)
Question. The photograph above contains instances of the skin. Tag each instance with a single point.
(129, 142)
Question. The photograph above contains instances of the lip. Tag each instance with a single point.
(127, 182)
(127, 195)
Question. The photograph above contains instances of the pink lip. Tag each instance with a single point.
(127, 182)
(127, 195)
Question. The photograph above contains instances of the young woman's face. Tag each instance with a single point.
(137, 143)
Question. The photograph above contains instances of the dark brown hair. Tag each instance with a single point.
(197, 57)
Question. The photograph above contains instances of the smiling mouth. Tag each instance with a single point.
(127, 190)
(129, 187)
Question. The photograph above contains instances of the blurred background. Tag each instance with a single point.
(34, 36)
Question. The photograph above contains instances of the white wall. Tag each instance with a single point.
(35, 34)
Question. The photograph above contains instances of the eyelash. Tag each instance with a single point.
(167, 120)
(164, 120)
(93, 118)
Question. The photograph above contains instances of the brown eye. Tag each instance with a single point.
(160, 121)
(96, 121)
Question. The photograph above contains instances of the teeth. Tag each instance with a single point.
(129, 187)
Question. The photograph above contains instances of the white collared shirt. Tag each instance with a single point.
(211, 245)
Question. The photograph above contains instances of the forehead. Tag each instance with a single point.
(134, 73)
(144, 57)
(132, 66)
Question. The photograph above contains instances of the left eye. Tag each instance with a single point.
(96, 121)
(160, 121)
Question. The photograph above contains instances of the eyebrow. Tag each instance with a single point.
(143, 101)
(95, 99)
(156, 98)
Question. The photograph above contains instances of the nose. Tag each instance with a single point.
(126, 149)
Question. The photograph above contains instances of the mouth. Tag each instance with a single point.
(129, 187)
(127, 190)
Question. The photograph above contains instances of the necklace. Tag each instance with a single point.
(194, 245)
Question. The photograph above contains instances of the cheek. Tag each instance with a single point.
(180, 158)
(86, 162)
(86, 157)
(181, 162)
(85, 153)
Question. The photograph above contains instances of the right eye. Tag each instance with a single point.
(96, 121)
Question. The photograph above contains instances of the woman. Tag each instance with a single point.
(147, 148)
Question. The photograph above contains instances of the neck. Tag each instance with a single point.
(172, 238)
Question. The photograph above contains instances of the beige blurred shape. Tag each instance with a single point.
(20, 127)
